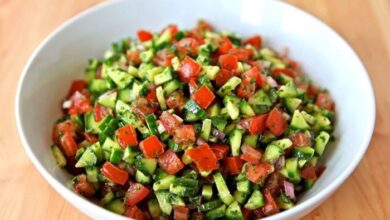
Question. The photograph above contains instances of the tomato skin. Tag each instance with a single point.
(144, 35)
(187, 46)
(126, 136)
(224, 45)
(114, 173)
(192, 85)
(169, 122)
(176, 100)
(90, 137)
(80, 104)
(324, 100)
(233, 165)
(255, 124)
(189, 69)
(270, 207)
(228, 62)
(255, 41)
(180, 212)
(197, 35)
(83, 187)
(308, 172)
(68, 145)
(258, 172)
(135, 213)
(133, 57)
(151, 147)
(204, 26)
(300, 139)
(136, 193)
(203, 96)
(61, 128)
(250, 154)
(223, 76)
(100, 112)
(170, 162)
(77, 86)
(277, 71)
(203, 157)
(241, 54)
(184, 135)
(220, 150)
(246, 89)
(163, 58)
(143, 107)
(276, 123)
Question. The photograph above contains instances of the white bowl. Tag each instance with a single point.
(326, 58)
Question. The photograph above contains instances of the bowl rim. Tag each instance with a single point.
(309, 204)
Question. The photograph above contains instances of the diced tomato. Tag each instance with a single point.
(247, 213)
(196, 35)
(176, 100)
(228, 62)
(169, 122)
(187, 46)
(192, 85)
(61, 128)
(204, 26)
(255, 125)
(144, 35)
(68, 145)
(203, 157)
(258, 172)
(163, 58)
(142, 107)
(170, 162)
(203, 96)
(312, 90)
(126, 136)
(241, 54)
(90, 137)
(250, 154)
(233, 165)
(114, 173)
(152, 100)
(151, 147)
(189, 69)
(184, 135)
(135, 213)
(254, 73)
(255, 41)
(100, 112)
(180, 212)
(324, 100)
(270, 207)
(223, 76)
(83, 187)
(300, 139)
(277, 71)
(77, 86)
(220, 150)
(133, 57)
(246, 89)
(224, 45)
(173, 29)
(276, 123)
(308, 172)
(136, 193)
(80, 104)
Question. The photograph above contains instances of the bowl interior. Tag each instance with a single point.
(324, 56)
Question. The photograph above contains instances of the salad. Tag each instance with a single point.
(193, 124)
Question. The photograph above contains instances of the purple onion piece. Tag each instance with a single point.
(289, 189)
(279, 163)
(200, 141)
(219, 134)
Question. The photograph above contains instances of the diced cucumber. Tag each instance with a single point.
(116, 155)
(288, 91)
(282, 143)
(92, 174)
(154, 208)
(91, 125)
(255, 201)
(231, 107)
(260, 102)
(219, 122)
(184, 187)
(161, 98)
(190, 173)
(107, 198)
(120, 77)
(125, 113)
(146, 56)
(272, 153)
(235, 139)
(98, 86)
(130, 154)
(223, 191)
(241, 197)
(116, 206)
(207, 192)
(87, 159)
(251, 140)
(292, 103)
(233, 212)
(284, 202)
(298, 122)
(151, 122)
(322, 123)
(283, 78)
(211, 71)
(159, 174)
(175, 200)
(246, 109)
(176, 63)
(308, 118)
(132, 71)
(58, 155)
(151, 73)
(321, 141)
(229, 86)
(140, 177)
(206, 129)
(125, 95)
(108, 99)
(244, 186)
(163, 201)
(163, 77)
(214, 110)
(171, 86)
(291, 170)
(163, 183)
(146, 165)
(303, 154)
(210, 205)
(216, 213)
(192, 107)
(166, 36)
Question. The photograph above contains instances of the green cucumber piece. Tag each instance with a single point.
(223, 191)
(255, 201)
(321, 141)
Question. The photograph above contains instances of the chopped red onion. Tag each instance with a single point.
(279, 163)
(200, 141)
(67, 104)
(286, 116)
(289, 189)
(271, 82)
(219, 134)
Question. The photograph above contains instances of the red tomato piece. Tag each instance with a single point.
(61, 128)
(254, 74)
(114, 173)
(126, 136)
(250, 154)
(255, 125)
(184, 135)
(83, 187)
(144, 35)
(324, 100)
(233, 165)
(270, 207)
(277, 71)
(100, 112)
(220, 150)
(68, 145)
(223, 76)
(136, 193)
(176, 100)
(180, 212)
(255, 41)
(246, 89)
(77, 86)
(151, 147)
(142, 107)
(80, 104)
(224, 45)
(308, 172)
(163, 58)
(192, 85)
(170, 162)
(135, 213)
(196, 35)
(204, 26)
(90, 137)
(133, 57)
(203, 157)
(276, 123)
(173, 29)
(258, 172)
(241, 53)
(203, 96)
(300, 139)
(187, 46)
(189, 69)
(228, 62)
(169, 122)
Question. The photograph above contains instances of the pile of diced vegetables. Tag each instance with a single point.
(193, 124)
